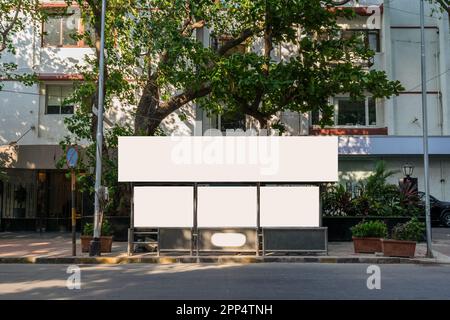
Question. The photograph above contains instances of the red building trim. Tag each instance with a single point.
(60, 77)
(361, 11)
(56, 5)
(348, 131)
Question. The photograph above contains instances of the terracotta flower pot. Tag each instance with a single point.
(367, 245)
(397, 248)
(105, 243)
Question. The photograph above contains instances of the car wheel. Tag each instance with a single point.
(446, 219)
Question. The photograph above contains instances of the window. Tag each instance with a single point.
(373, 40)
(232, 121)
(349, 113)
(225, 121)
(55, 97)
(370, 37)
(60, 27)
(355, 113)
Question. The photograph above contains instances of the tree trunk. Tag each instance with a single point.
(148, 116)
(264, 124)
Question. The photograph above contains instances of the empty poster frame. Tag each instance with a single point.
(227, 207)
(163, 207)
(289, 206)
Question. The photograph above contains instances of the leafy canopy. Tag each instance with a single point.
(153, 49)
(15, 17)
(155, 63)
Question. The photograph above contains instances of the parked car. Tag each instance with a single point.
(440, 210)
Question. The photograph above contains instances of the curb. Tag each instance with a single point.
(218, 260)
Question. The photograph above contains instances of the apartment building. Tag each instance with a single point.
(32, 118)
(35, 193)
(392, 129)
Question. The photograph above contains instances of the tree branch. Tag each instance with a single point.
(190, 27)
(230, 44)
(268, 45)
(5, 32)
(445, 5)
(181, 99)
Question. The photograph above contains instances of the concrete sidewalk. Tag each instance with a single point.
(19, 247)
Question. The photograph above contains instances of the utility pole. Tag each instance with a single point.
(94, 249)
(72, 159)
(426, 179)
(73, 212)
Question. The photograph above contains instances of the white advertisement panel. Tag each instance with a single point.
(228, 159)
(164, 207)
(289, 206)
(224, 207)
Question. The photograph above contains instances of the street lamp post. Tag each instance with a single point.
(94, 249)
(408, 183)
(426, 179)
(408, 169)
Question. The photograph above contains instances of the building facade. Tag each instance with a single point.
(32, 118)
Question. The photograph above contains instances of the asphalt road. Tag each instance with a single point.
(252, 281)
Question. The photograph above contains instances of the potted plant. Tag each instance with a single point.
(367, 236)
(105, 238)
(404, 239)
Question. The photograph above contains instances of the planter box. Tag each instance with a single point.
(397, 248)
(367, 245)
(119, 224)
(105, 243)
(339, 227)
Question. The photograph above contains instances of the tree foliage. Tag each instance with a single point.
(15, 17)
(155, 63)
(152, 48)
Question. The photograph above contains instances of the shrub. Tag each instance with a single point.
(370, 229)
(88, 228)
(410, 203)
(337, 201)
(376, 197)
(412, 230)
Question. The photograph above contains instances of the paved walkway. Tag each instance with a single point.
(58, 245)
(49, 244)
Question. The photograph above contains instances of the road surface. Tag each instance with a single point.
(210, 281)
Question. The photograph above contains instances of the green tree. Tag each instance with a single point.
(155, 63)
(251, 82)
(15, 16)
(152, 47)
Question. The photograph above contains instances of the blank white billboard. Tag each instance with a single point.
(228, 159)
(164, 207)
(289, 206)
(224, 207)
